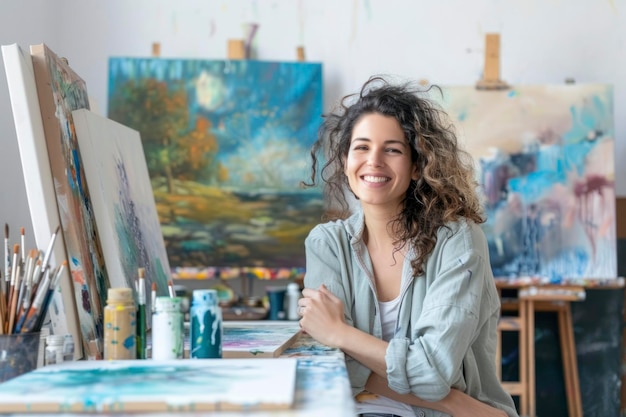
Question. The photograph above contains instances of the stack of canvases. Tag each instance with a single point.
(89, 175)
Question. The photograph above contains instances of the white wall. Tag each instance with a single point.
(542, 42)
(24, 23)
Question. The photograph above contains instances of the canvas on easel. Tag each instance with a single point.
(60, 90)
(39, 184)
(545, 160)
(227, 145)
(122, 199)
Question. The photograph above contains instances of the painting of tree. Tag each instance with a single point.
(227, 145)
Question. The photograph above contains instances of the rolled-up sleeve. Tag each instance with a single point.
(325, 264)
(429, 362)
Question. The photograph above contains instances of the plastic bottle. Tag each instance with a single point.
(167, 329)
(68, 347)
(120, 321)
(206, 325)
(54, 349)
(291, 301)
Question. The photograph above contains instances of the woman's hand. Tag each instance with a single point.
(322, 315)
(456, 403)
(462, 405)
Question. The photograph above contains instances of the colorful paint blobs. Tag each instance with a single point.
(269, 339)
(545, 164)
(61, 91)
(182, 385)
(227, 146)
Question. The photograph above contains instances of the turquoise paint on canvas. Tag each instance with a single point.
(182, 385)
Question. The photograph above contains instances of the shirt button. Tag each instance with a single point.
(421, 413)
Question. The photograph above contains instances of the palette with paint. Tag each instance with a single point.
(153, 386)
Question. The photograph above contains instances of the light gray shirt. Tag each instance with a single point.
(446, 329)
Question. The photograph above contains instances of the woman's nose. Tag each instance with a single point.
(375, 159)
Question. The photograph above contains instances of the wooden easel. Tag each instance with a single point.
(491, 73)
(541, 298)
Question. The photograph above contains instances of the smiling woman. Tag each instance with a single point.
(403, 284)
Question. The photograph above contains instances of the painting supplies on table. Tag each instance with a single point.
(140, 285)
(24, 301)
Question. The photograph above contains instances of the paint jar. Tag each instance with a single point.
(167, 329)
(276, 297)
(19, 354)
(291, 301)
(120, 324)
(54, 349)
(206, 325)
(68, 347)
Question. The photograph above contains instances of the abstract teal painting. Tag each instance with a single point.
(154, 386)
(227, 145)
(545, 164)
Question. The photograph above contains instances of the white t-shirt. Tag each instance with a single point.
(381, 404)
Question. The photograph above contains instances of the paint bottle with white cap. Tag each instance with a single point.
(167, 329)
(291, 301)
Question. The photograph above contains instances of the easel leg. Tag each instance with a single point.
(531, 358)
(570, 369)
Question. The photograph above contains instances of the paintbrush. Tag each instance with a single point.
(48, 252)
(48, 298)
(7, 258)
(3, 301)
(14, 272)
(29, 320)
(23, 243)
(170, 288)
(153, 296)
(141, 314)
(14, 293)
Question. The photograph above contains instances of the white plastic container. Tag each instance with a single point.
(291, 301)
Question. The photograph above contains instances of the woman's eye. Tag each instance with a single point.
(393, 150)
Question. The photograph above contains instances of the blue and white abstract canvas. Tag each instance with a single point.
(545, 164)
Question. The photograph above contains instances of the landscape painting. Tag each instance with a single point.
(545, 164)
(227, 146)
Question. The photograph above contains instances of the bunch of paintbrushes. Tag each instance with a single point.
(27, 286)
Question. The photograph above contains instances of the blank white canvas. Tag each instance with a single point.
(40, 190)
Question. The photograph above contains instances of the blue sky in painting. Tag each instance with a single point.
(268, 112)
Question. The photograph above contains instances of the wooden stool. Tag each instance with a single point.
(545, 298)
(516, 323)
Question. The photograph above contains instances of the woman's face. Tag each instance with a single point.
(378, 166)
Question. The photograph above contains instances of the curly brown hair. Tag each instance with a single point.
(446, 189)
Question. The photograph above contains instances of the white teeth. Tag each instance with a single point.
(370, 178)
